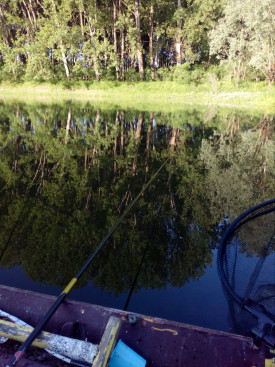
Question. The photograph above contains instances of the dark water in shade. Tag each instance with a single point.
(72, 171)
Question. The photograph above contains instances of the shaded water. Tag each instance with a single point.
(67, 173)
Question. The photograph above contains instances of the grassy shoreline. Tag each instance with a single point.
(147, 95)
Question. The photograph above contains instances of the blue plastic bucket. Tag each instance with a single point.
(124, 356)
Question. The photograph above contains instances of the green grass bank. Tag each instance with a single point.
(160, 95)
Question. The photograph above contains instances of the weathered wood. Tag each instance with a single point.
(160, 342)
(107, 342)
(78, 350)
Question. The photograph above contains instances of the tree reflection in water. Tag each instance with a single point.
(73, 171)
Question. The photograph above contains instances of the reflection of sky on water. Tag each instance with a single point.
(200, 302)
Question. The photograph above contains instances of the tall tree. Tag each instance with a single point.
(151, 39)
(138, 40)
(245, 36)
(115, 37)
(61, 18)
(178, 43)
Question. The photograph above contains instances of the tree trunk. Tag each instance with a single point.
(94, 57)
(139, 127)
(139, 43)
(115, 142)
(33, 14)
(106, 129)
(81, 17)
(28, 12)
(4, 29)
(137, 137)
(178, 39)
(122, 133)
(116, 132)
(97, 119)
(68, 125)
(65, 61)
(115, 39)
(122, 37)
(151, 35)
(62, 48)
(173, 139)
(157, 54)
(148, 138)
(81, 25)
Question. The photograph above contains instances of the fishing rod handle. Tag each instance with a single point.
(36, 331)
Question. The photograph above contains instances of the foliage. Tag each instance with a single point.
(51, 40)
(239, 165)
(131, 75)
(245, 36)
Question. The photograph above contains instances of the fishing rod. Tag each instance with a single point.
(21, 351)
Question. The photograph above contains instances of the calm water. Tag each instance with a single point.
(67, 172)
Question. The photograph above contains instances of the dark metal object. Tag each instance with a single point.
(161, 342)
(246, 267)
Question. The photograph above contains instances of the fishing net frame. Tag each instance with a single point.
(245, 256)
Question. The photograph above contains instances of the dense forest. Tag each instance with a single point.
(180, 40)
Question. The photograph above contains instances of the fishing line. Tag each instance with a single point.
(135, 279)
(19, 354)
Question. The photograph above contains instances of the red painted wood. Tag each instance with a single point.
(161, 342)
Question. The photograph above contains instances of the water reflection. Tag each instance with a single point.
(74, 169)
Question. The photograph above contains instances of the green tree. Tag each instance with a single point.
(245, 36)
(240, 167)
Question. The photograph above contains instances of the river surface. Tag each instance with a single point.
(68, 171)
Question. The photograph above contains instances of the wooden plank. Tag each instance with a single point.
(107, 342)
(72, 348)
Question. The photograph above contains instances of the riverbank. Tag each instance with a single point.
(148, 95)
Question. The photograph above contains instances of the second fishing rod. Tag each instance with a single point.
(38, 328)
